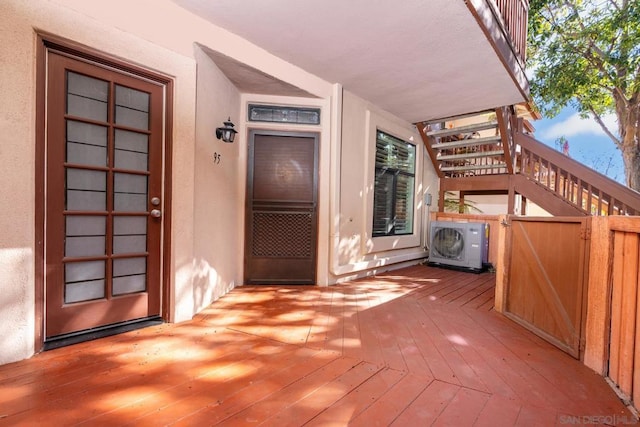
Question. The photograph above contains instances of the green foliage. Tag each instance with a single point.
(452, 204)
(584, 53)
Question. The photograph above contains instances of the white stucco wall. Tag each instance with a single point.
(496, 204)
(489, 204)
(207, 206)
(355, 251)
(18, 43)
(164, 41)
(535, 210)
(218, 204)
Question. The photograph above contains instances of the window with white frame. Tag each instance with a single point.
(394, 186)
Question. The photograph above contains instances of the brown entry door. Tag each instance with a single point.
(281, 213)
(103, 197)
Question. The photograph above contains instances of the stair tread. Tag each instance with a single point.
(463, 129)
(462, 116)
(472, 155)
(472, 167)
(466, 142)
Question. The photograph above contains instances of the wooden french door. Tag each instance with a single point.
(281, 217)
(103, 202)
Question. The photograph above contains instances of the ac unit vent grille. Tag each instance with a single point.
(449, 243)
(459, 244)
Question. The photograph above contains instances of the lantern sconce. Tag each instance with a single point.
(226, 133)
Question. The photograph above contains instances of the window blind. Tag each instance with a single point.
(394, 186)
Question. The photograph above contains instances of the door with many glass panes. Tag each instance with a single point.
(103, 199)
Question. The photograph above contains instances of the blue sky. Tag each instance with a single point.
(587, 142)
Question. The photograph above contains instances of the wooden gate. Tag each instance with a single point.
(546, 277)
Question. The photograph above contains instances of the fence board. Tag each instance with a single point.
(628, 308)
(598, 311)
(616, 301)
(636, 359)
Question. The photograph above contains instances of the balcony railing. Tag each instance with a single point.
(514, 14)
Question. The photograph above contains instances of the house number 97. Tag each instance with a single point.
(216, 158)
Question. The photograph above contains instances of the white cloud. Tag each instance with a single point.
(574, 125)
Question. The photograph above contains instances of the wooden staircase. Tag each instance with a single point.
(472, 149)
(489, 152)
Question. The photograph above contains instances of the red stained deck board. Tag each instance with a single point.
(536, 416)
(179, 400)
(358, 400)
(281, 400)
(447, 346)
(328, 395)
(407, 346)
(464, 408)
(391, 404)
(427, 407)
(113, 389)
(474, 348)
(499, 411)
(242, 392)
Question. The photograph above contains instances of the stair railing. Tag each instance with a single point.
(593, 193)
(505, 116)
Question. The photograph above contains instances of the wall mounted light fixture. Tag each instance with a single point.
(226, 133)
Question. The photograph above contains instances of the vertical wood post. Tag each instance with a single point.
(596, 351)
(441, 200)
(511, 199)
(502, 263)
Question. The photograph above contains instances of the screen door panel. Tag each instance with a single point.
(104, 151)
(281, 215)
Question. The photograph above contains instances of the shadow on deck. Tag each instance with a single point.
(408, 347)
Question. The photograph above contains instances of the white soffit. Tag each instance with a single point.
(418, 59)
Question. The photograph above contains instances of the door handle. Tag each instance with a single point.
(156, 213)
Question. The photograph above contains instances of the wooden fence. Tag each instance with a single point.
(581, 276)
(613, 309)
(602, 328)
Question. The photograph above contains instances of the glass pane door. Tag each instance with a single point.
(104, 167)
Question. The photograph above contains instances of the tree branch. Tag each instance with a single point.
(596, 56)
(614, 4)
(604, 127)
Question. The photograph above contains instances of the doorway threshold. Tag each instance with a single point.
(100, 332)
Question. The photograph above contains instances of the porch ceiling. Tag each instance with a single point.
(417, 59)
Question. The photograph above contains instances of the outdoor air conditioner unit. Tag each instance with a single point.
(459, 244)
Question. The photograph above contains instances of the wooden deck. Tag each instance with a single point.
(407, 348)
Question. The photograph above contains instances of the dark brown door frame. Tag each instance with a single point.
(248, 196)
(48, 42)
